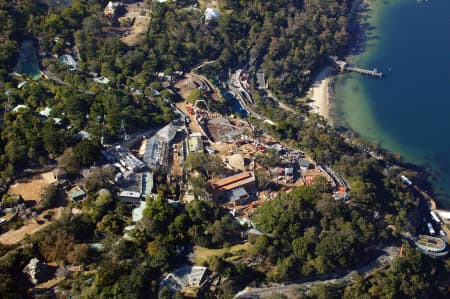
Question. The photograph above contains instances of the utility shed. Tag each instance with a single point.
(289, 171)
(76, 193)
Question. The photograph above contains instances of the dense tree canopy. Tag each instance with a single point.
(309, 234)
(305, 232)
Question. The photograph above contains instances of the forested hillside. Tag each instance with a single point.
(116, 90)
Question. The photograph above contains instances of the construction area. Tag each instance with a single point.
(156, 153)
(136, 21)
(221, 129)
(177, 159)
(241, 148)
(129, 21)
(193, 81)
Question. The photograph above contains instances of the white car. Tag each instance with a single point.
(2, 221)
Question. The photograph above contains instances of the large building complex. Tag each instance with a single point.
(156, 154)
(238, 188)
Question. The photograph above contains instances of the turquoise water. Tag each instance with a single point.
(28, 63)
(408, 111)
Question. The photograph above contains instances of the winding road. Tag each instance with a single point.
(388, 254)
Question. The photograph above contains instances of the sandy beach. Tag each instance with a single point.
(319, 93)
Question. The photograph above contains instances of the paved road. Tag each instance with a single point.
(389, 253)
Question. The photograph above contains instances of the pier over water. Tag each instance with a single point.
(344, 66)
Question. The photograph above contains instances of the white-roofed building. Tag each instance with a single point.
(45, 112)
(83, 135)
(211, 14)
(167, 133)
(20, 107)
(101, 80)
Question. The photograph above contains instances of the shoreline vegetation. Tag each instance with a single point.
(322, 99)
(320, 91)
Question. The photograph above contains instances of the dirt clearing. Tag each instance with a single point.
(141, 17)
(32, 188)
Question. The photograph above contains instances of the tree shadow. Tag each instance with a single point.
(362, 31)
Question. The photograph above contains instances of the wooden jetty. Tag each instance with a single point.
(373, 72)
(344, 66)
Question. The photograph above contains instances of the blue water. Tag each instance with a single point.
(408, 111)
(234, 104)
(28, 63)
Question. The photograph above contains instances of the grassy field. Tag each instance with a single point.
(202, 254)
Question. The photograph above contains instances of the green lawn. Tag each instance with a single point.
(202, 254)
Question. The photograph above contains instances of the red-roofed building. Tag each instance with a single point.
(234, 186)
(341, 194)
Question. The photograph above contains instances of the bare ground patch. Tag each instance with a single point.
(31, 226)
(32, 188)
(141, 17)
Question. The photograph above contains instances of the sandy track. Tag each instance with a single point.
(30, 227)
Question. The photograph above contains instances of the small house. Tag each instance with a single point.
(184, 277)
(37, 271)
(68, 60)
(76, 193)
(83, 135)
(101, 80)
